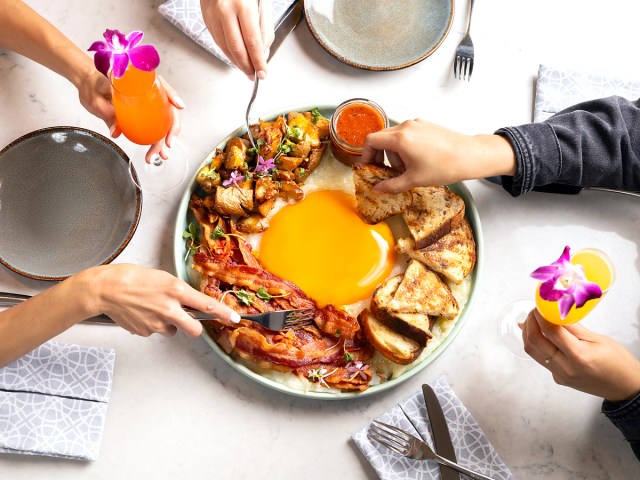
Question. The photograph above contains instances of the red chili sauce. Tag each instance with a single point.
(357, 121)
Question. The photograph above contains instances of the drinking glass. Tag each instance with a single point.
(144, 115)
(598, 269)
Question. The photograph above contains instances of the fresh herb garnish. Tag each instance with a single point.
(264, 295)
(191, 234)
(218, 232)
(316, 115)
(243, 296)
(294, 132)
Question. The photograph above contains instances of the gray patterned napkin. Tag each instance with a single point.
(558, 89)
(53, 401)
(187, 16)
(472, 447)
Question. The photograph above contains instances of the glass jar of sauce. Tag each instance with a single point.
(352, 121)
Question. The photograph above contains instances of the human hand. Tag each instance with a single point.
(582, 359)
(145, 301)
(242, 32)
(428, 155)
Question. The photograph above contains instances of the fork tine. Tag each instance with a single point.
(381, 441)
(455, 66)
(470, 67)
(299, 318)
(390, 436)
(391, 429)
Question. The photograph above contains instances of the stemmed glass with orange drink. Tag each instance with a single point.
(142, 107)
(569, 289)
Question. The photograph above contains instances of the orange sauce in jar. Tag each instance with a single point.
(352, 121)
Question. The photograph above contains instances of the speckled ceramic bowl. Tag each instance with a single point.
(379, 34)
(67, 202)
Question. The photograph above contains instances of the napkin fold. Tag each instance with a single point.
(557, 89)
(473, 449)
(186, 15)
(53, 401)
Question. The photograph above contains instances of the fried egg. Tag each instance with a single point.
(322, 245)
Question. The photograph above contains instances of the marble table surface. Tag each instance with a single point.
(179, 411)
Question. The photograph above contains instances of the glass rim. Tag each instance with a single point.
(607, 260)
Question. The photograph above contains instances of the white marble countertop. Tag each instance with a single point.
(179, 411)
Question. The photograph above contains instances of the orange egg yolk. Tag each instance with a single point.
(321, 245)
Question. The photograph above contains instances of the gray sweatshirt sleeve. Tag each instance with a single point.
(594, 143)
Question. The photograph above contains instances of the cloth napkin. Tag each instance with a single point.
(558, 89)
(53, 401)
(187, 16)
(473, 449)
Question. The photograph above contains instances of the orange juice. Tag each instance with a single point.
(598, 269)
(141, 105)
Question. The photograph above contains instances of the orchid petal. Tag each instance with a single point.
(116, 40)
(98, 46)
(144, 57)
(102, 61)
(586, 291)
(565, 304)
(546, 272)
(549, 292)
(120, 64)
(134, 38)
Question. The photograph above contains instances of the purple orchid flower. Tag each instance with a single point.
(118, 50)
(264, 166)
(566, 283)
(233, 179)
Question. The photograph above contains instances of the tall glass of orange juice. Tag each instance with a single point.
(144, 115)
(567, 291)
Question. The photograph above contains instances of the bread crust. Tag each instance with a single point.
(389, 343)
(373, 206)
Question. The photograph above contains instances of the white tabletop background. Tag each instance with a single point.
(179, 411)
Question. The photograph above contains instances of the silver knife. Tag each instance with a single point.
(441, 436)
(286, 25)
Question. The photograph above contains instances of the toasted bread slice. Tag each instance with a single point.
(374, 207)
(453, 256)
(389, 343)
(423, 291)
(434, 212)
(416, 326)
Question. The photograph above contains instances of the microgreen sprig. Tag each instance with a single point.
(264, 295)
(218, 232)
(318, 375)
(191, 235)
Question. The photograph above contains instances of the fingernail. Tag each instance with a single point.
(112, 129)
(180, 102)
(234, 317)
(261, 74)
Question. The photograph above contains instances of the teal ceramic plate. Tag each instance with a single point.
(67, 202)
(179, 251)
(380, 34)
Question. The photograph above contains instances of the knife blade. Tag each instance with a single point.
(441, 436)
(285, 26)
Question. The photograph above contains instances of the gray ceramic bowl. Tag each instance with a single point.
(67, 202)
(377, 34)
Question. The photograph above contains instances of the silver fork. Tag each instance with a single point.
(256, 82)
(411, 447)
(463, 63)
(280, 320)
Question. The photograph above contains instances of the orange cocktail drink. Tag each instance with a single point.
(598, 269)
(141, 105)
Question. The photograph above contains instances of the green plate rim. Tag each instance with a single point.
(472, 215)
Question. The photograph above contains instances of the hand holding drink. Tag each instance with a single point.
(144, 108)
(569, 289)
